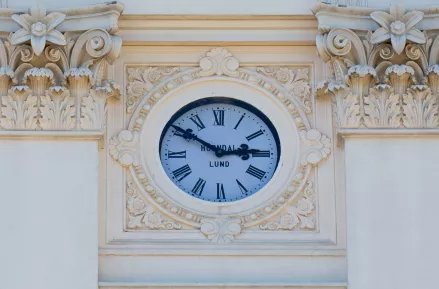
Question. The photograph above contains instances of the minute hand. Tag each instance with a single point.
(189, 135)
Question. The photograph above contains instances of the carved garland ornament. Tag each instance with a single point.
(124, 147)
(55, 81)
(388, 78)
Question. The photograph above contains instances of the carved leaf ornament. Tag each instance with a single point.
(55, 81)
(382, 79)
(289, 86)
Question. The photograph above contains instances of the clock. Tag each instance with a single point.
(219, 149)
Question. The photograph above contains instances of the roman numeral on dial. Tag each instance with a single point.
(182, 172)
(257, 173)
(176, 155)
(199, 187)
(196, 119)
(261, 154)
(254, 135)
(219, 117)
(242, 188)
(220, 195)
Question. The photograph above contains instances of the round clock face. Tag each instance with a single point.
(219, 149)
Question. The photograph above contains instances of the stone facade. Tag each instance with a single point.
(85, 93)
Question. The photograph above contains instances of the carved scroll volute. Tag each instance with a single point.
(433, 79)
(94, 49)
(7, 79)
(79, 81)
(342, 48)
(400, 77)
(360, 79)
(39, 80)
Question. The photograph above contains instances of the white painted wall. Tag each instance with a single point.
(48, 214)
(392, 197)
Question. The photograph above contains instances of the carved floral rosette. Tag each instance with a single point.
(382, 78)
(125, 148)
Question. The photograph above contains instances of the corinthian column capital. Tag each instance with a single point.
(380, 58)
(68, 50)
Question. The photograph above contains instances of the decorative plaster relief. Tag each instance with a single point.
(61, 77)
(380, 83)
(143, 215)
(142, 80)
(298, 216)
(219, 64)
(221, 231)
(295, 80)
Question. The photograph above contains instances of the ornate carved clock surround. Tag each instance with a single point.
(286, 102)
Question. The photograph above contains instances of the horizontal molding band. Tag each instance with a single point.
(51, 135)
(207, 30)
(117, 285)
(386, 133)
(191, 251)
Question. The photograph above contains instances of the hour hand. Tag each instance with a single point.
(243, 152)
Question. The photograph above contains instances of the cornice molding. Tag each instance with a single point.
(217, 30)
(53, 68)
(385, 69)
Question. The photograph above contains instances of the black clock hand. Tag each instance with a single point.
(243, 152)
(187, 134)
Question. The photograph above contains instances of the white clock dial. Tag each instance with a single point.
(219, 149)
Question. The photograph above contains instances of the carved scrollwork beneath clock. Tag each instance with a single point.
(299, 216)
(144, 215)
(220, 65)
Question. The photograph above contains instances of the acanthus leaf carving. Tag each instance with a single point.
(382, 108)
(142, 80)
(298, 216)
(123, 147)
(420, 108)
(221, 231)
(346, 107)
(94, 106)
(57, 109)
(143, 215)
(19, 109)
(295, 80)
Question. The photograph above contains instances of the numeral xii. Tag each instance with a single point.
(219, 117)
